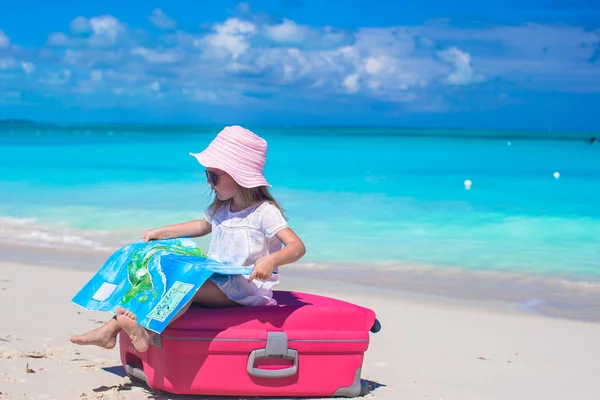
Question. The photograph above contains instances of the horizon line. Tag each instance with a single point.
(25, 122)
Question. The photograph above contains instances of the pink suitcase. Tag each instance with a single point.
(307, 345)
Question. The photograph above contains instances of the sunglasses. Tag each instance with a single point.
(211, 177)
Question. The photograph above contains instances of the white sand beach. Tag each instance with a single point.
(429, 348)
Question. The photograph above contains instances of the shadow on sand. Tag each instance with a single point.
(367, 388)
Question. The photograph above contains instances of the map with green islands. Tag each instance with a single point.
(153, 280)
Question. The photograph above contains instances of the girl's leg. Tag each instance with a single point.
(209, 295)
(105, 336)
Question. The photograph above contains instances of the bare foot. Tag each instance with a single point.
(105, 336)
(140, 338)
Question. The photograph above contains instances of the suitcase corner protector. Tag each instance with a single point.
(353, 390)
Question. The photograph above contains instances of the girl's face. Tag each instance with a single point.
(222, 183)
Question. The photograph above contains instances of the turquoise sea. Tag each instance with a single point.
(362, 199)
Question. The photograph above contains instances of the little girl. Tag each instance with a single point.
(247, 226)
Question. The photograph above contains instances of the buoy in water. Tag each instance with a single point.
(556, 175)
(468, 184)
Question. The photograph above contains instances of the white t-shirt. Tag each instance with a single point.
(241, 238)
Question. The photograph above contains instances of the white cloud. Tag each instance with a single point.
(59, 78)
(80, 26)
(288, 32)
(59, 39)
(426, 42)
(56, 78)
(550, 53)
(243, 8)
(351, 83)
(296, 66)
(374, 85)
(160, 20)
(89, 58)
(231, 37)
(463, 73)
(394, 41)
(91, 85)
(72, 57)
(104, 31)
(348, 52)
(392, 74)
(215, 96)
(203, 96)
(130, 78)
(157, 57)
(7, 63)
(374, 65)
(331, 37)
(248, 55)
(96, 75)
(239, 68)
(381, 63)
(4, 40)
(64, 75)
(27, 67)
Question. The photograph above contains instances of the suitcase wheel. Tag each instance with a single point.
(376, 326)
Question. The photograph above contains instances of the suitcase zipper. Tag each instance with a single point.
(157, 340)
(261, 340)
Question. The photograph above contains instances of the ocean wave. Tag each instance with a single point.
(27, 231)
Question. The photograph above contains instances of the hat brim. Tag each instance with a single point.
(243, 178)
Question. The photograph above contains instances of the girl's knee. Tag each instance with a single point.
(210, 295)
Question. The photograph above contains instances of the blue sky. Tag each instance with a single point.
(512, 64)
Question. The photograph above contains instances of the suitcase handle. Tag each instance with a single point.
(261, 354)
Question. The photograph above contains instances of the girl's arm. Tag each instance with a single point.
(194, 228)
(293, 251)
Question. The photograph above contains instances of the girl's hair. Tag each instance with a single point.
(249, 196)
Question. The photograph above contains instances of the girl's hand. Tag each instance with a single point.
(155, 234)
(263, 268)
